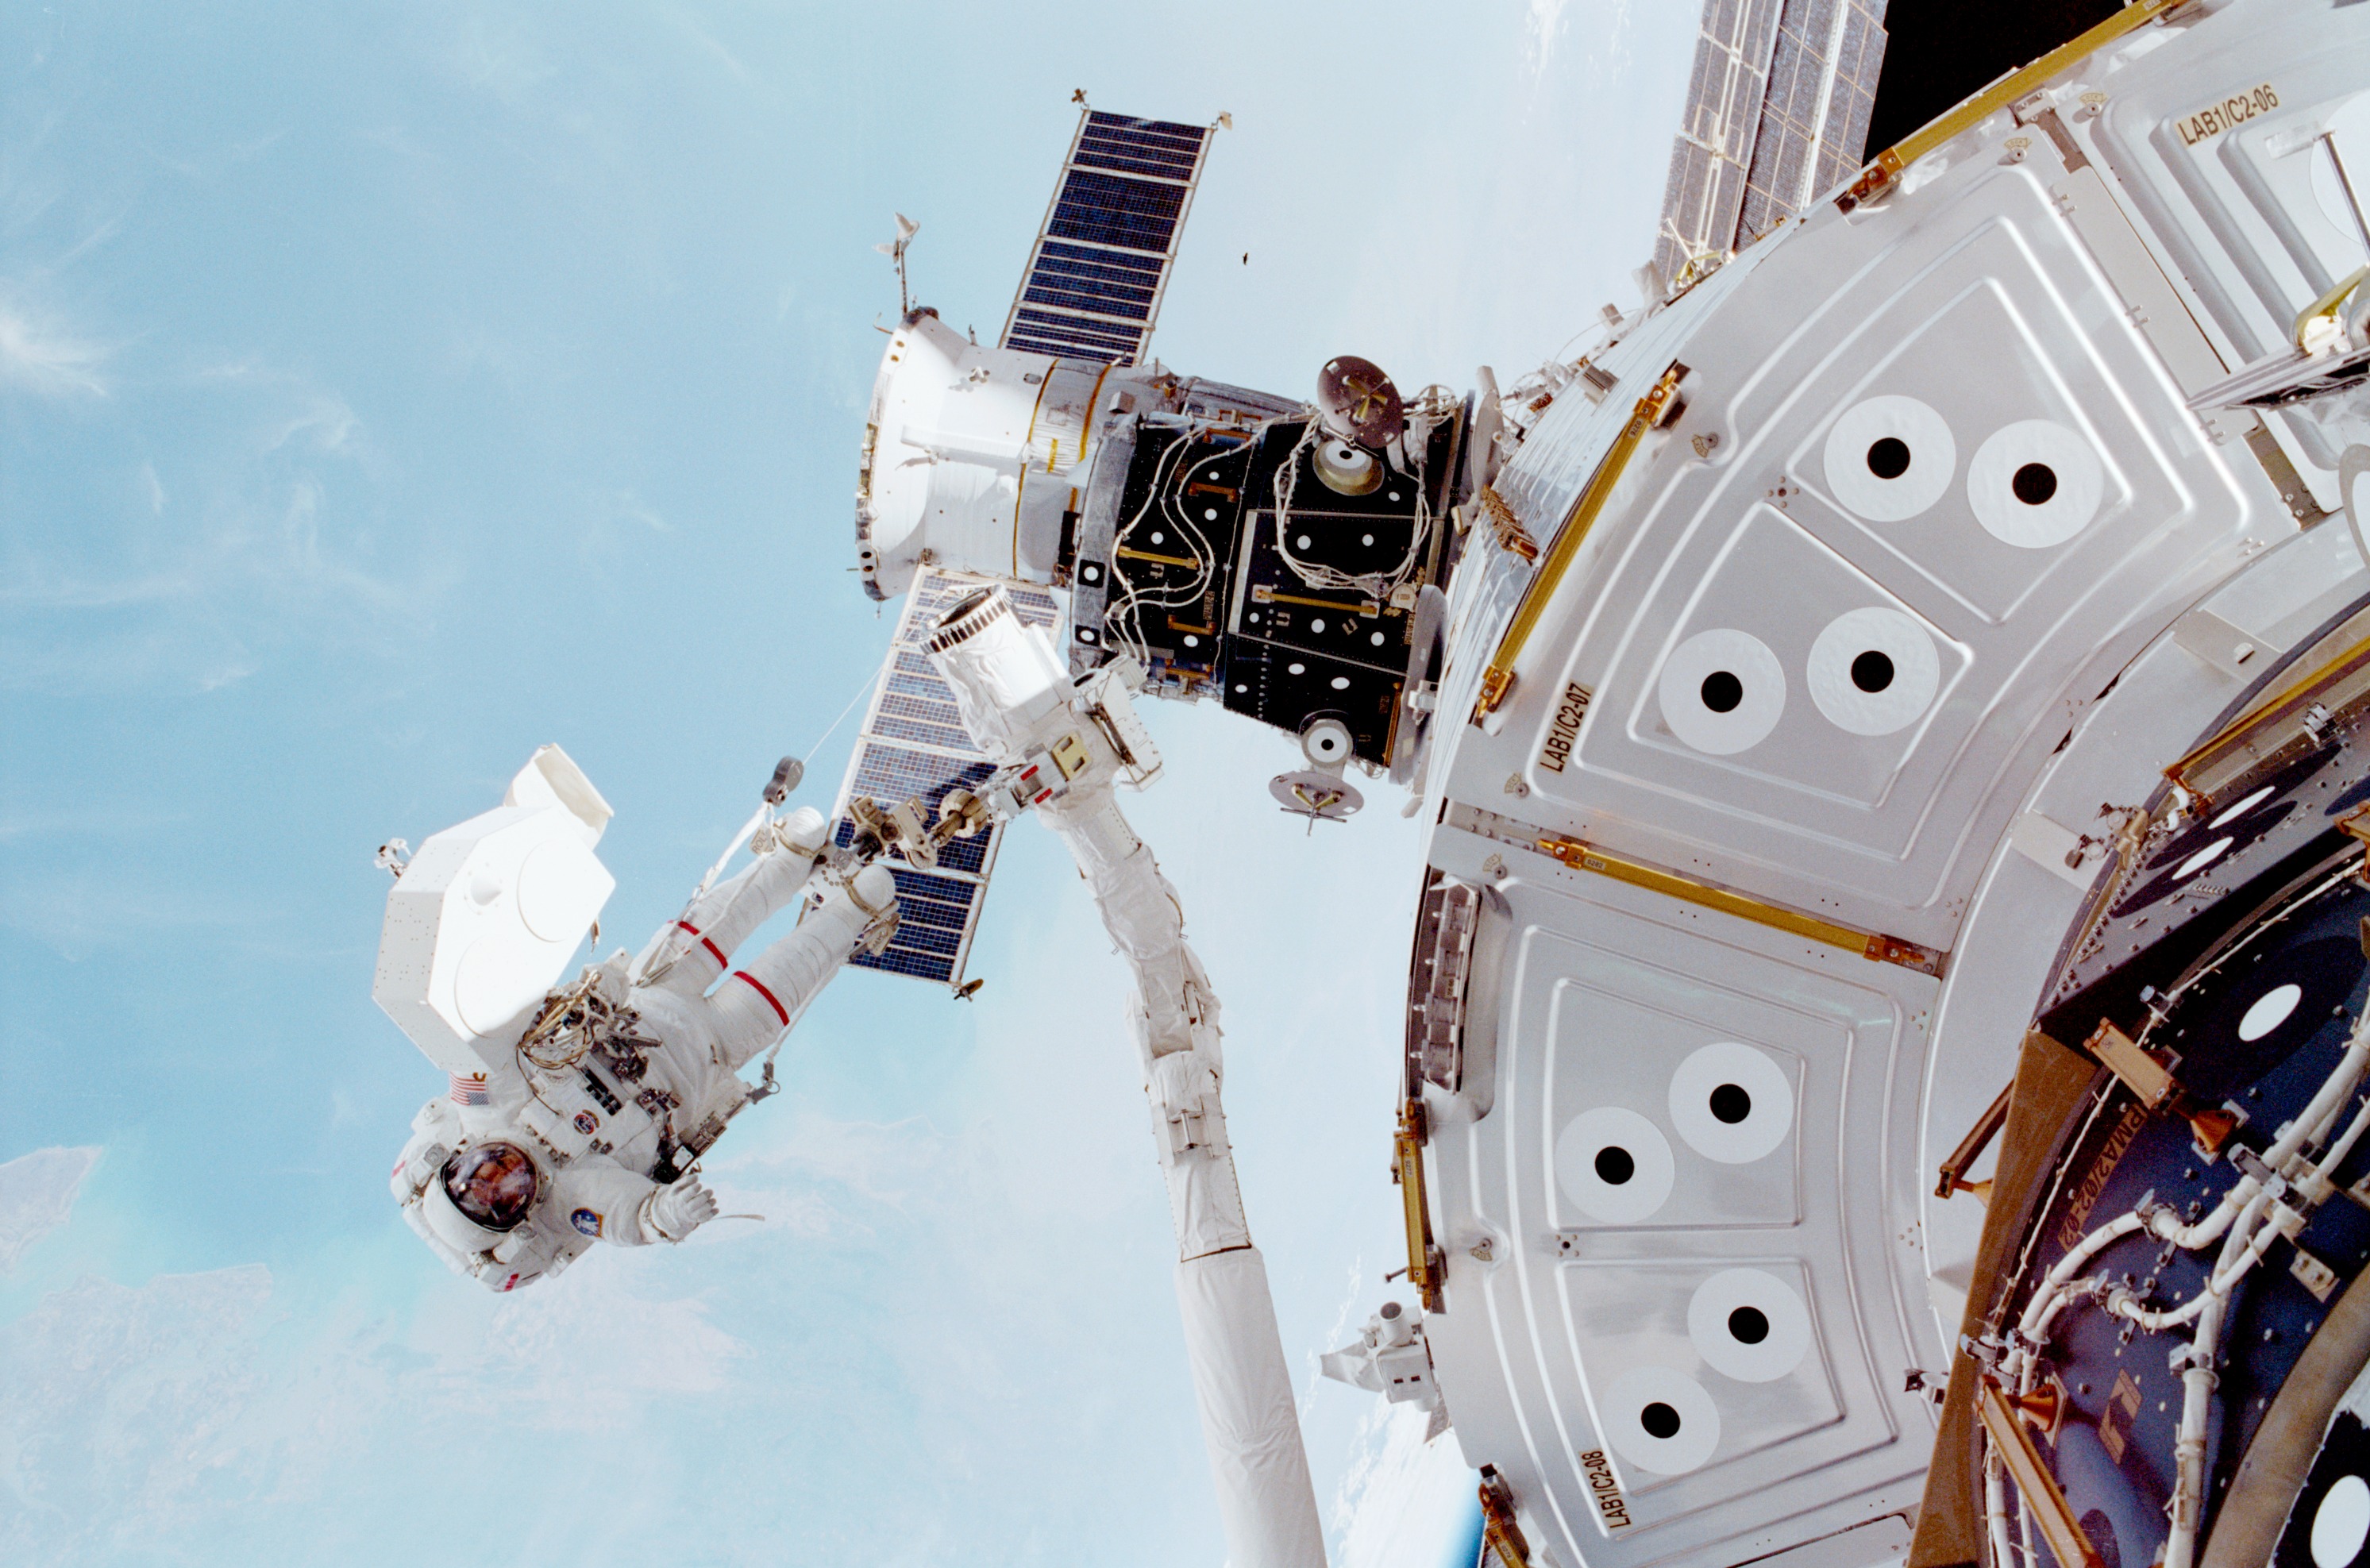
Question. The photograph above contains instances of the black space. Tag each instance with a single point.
(1659, 1419)
(1729, 1103)
(1937, 53)
(1888, 457)
(1748, 1325)
(1723, 691)
(1614, 1165)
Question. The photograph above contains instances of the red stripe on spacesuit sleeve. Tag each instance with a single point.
(771, 1000)
(713, 950)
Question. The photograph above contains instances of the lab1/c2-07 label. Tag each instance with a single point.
(2237, 109)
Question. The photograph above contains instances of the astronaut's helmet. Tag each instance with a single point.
(492, 1183)
(484, 1192)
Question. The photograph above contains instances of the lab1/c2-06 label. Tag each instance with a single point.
(2237, 109)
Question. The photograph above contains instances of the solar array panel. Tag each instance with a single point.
(1095, 278)
(914, 746)
(1778, 112)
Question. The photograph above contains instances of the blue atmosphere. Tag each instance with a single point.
(388, 390)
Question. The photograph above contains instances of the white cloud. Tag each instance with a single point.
(114, 1407)
(1403, 1500)
(43, 358)
(37, 1195)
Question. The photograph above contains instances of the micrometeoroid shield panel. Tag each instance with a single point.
(1100, 263)
(914, 746)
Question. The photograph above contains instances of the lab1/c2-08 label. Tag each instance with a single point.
(2237, 109)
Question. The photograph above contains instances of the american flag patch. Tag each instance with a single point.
(469, 1091)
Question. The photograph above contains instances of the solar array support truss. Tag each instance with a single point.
(914, 746)
(1100, 264)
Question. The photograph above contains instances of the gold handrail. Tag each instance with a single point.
(1886, 167)
(1652, 410)
(1584, 857)
(2044, 1503)
(1423, 1266)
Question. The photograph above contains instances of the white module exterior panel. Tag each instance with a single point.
(1982, 493)
(1934, 487)
(2229, 154)
(1752, 1271)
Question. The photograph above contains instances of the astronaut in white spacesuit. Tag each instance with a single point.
(629, 1075)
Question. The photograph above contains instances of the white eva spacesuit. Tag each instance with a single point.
(627, 1076)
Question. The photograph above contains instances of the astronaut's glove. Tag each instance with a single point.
(674, 1213)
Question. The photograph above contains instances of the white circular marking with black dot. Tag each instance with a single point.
(1723, 691)
(1660, 1420)
(1890, 458)
(2241, 807)
(1732, 1102)
(2269, 1011)
(1873, 671)
(2342, 1523)
(2203, 859)
(1749, 1325)
(2035, 484)
(1614, 1164)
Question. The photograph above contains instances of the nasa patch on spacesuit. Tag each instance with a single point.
(587, 1221)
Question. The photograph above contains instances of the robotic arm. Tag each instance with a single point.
(1065, 748)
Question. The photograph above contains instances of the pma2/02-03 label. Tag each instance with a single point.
(2215, 119)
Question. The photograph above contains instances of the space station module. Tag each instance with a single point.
(575, 1113)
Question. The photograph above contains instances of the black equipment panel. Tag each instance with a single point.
(1199, 587)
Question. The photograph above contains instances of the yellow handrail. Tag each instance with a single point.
(1423, 1272)
(1499, 679)
(1875, 945)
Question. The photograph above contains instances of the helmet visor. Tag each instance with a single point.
(494, 1184)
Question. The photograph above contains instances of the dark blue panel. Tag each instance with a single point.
(896, 960)
(1091, 261)
(1111, 209)
(1137, 152)
(1143, 146)
(1070, 329)
(1101, 299)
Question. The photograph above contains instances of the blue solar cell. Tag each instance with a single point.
(919, 731)
(918, 966)
(1111, 209)
(1161, 157)
(1094, 260)
(912, 745)
(1098, 299)
(1070, 328)
(915, 938)
(960, 891)
(1073, 348)
(1102, 257)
